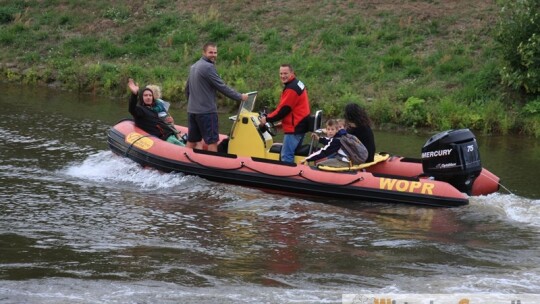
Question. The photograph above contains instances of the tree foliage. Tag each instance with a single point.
(519, 38)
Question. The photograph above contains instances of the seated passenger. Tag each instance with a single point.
(332, 146)
(359, 124)
(141, 108)
(162, 108)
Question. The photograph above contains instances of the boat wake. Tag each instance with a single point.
(106, 167)
(508, 207)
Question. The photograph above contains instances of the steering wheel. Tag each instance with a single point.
(268, 126)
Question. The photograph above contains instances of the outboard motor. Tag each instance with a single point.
(452, 156)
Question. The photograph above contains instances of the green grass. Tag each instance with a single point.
(417, 64)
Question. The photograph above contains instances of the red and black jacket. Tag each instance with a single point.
(293, 108)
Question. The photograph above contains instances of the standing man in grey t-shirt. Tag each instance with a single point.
(202, 84)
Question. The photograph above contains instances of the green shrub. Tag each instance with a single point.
(532, 126)
(477, 85)
(532, 108)
(414, 112)
(451, 114)
(173, 90)
(7, 13)
(495, 120)
(136, 72)
(519, 39)
(383, 111)
(110, 76)
(531, 117)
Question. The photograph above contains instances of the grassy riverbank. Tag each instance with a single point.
(418, 64)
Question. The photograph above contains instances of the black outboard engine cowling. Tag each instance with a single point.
(452, 156)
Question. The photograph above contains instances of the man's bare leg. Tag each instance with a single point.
(212, 147)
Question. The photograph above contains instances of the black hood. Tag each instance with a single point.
(140, 97)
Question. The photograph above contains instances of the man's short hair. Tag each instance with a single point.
(209, 44)
(287, 65)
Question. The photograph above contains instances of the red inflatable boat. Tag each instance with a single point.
(448, 173)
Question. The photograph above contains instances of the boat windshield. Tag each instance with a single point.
(246, 106)
(249, 104)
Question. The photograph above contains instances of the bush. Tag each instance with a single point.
(451, 114)
(383, 111)
(414, 113)
(519, 38)
(7, 13)
(495, 120)
(531, 117)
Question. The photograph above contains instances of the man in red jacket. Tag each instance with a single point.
(293, 111)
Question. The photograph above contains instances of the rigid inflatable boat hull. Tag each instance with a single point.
(395, 180)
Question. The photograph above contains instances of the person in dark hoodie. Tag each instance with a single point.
(293, 111)
(359, 125)
(332, 146)
(142, 105)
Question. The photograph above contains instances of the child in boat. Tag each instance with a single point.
(341, 123)
(332, 145)
(162, 107)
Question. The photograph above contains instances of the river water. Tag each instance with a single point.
(81, 225)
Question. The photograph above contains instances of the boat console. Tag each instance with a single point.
(248, 138)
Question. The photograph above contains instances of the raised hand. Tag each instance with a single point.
(133, 86)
